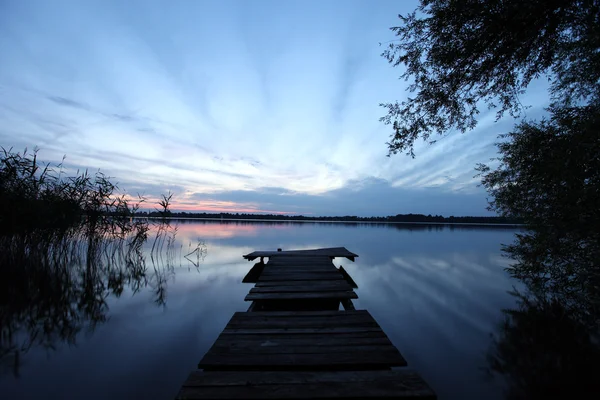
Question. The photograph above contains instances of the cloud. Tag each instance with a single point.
(68, 102)
(269, 106)
(363, 198)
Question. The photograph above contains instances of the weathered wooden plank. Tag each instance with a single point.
(338, 317)
(296, 288)
(310, 260)
(291, 317)
(286, 270)
(300, 313)
(299, 270)
(277, 343)
(402, 383)
(316, 283)
(323, 272)
(302, 277)
(307, 264)
(310, 276)
(290, 270)
(288, 331)
(300, 254)
(257, 378)
(299, 323)
(301, 295)
(293, 258)
(322, 361)
(330, 268)
(329, 252)
(299, 263)
(251, 349)
(296, 337)
(297, 305)
(300, 260)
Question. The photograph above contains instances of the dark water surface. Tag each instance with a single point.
(437, 291)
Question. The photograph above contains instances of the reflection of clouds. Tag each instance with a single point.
(206, 231)
(456, 282)
(440, 264)
(500, 261)
(216, 206)
(437, 307)
(213, 229)
(437, 294)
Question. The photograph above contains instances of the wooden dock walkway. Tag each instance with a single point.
(295, 342)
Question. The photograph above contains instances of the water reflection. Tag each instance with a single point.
(549, 344)
(545, 352)
(437, 291)
(244, 227)
(439, 307)
(55, 284)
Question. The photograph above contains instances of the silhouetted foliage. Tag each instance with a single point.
(549, 177)
(54, 285)
(407, 218)
(66, 245)
(545, 351)
(34, 196)
(462, 54)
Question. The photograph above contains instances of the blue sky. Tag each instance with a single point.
(249, 106)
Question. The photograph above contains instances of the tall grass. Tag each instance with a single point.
(67, 244)
(38, 196)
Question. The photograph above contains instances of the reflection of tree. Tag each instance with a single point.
(409, 226)
(545, 351)
(55, 284)
(549, 345)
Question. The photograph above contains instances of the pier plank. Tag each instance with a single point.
(317, 283)
(245, 343)
(328, 252)
(301, 295)
(402, 383)
(301, 361)
(315, 351)
(302, 277)
(299, 288)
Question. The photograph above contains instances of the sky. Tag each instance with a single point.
(234, 106)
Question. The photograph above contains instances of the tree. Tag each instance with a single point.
(549, 177)
(544, 351)
(462, 54)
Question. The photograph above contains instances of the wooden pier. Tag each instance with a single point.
(294, 342)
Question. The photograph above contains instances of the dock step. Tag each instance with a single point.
(295, 343)
(397, 384)
(302, 340)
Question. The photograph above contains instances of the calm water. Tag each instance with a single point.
(437, 291)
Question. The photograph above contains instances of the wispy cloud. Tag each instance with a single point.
(224, 99)
(68, 102)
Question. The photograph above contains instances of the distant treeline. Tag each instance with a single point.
(417, 218)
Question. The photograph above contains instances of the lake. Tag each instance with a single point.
(437, 291)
